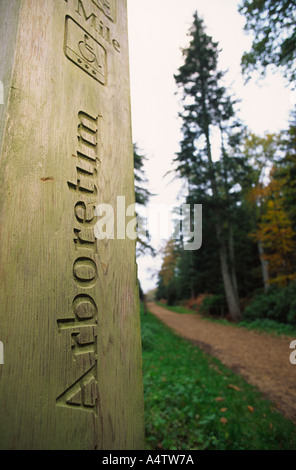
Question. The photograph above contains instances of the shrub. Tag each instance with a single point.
(278, 304)
(214, 305)
(291, 317)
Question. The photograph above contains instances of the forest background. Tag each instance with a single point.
(246, 265)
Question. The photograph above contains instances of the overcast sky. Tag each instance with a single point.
(157, 33)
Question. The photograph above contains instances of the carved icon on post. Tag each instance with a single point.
(85, 51)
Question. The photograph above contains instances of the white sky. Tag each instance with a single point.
(157, 32)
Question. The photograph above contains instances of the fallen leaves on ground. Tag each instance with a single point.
(234, 387)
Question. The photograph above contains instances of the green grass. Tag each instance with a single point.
(269, 326)
(183, 387)
(176, 308)
(261, 325)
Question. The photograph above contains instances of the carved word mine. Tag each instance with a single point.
(82, 324)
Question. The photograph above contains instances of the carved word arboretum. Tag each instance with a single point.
(83, 323)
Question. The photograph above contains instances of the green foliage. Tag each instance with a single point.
(172, 294)
(187, 392)
(260, 325)
(161, 292)
(142, 194)
(272, 23)
(286, 168)
(199, 271)
(249, 215)
(177, 308)
(269, 326)
(148, 333)
(208, 108)
(214, 305)
(277, 304)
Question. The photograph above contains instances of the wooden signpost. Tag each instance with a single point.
(69, 309)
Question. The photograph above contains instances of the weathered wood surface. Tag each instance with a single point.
(69, 317)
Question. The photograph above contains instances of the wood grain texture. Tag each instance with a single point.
(69, 317)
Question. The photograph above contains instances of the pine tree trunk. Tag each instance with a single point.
(232, 261)
(230, 228)
(264, 266)
(229, 288)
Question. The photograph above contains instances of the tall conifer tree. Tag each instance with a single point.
(206, 106)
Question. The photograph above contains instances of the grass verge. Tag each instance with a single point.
(263, 325)
(192, 401)
(176, 308)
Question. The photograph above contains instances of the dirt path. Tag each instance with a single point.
(263, 360)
